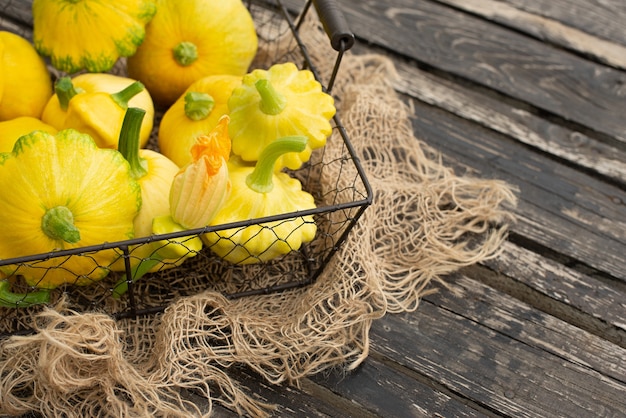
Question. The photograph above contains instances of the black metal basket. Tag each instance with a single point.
(333, 176)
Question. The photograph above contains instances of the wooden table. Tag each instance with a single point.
(533, 93)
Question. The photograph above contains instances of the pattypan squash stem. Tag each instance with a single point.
(9, 299)
(272, 102)
(123, 97)
(185, 53)
(128, 144)
(198, 105)
(261, 178)
(65, 90)
(58, 224)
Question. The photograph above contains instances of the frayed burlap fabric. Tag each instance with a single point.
(425, 222)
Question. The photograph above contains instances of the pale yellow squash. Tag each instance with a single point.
(62, 192)
(54, 114)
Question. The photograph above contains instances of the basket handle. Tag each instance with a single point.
(335, 24)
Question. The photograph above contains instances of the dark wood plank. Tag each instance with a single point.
(563, 143)
(289, 401)
(588, 28)
(293, 402)
(12, 25)
(392, 393)
(16, 16)
(479, 346)
(525, 323)
(18, 11)
(559, 207)
(604, 301)
(526, 69)
(603, 18)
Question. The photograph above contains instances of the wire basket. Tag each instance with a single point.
(333, 176)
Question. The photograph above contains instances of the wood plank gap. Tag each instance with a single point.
(567, 261)
(543, 303)
(545, 29)
(331, 398)
(435, 385)
(290, 400)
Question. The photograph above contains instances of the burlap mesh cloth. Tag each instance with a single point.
(425, 222)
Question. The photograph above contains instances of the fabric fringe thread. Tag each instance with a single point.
(425, 223)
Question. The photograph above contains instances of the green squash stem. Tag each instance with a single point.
(65, 90)
(128, 144)
(123, 96)
(272, 102)
(8, 299)
(185, 53)
(198, 105)
(58, 224)
(261, 178)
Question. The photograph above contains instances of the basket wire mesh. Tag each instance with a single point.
(333, 176)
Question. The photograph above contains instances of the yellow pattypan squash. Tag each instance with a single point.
(12, 129)
(191, 39)
(25, 83)
(89, 34)
(258, 192)
(281, 101)
(80, 102)
(61, 192)
(195, 113)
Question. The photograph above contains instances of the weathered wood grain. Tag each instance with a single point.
(559, 207)
(293, 402)
(516, 65)
(18, 11)
(482, 101)
(603, 18)
(485, 353)
(542, 24)
(527, 128)
(525, 323)
(12, 26)
(391, 393)
(582, 292)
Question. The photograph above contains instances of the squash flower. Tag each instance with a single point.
(200, 189)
